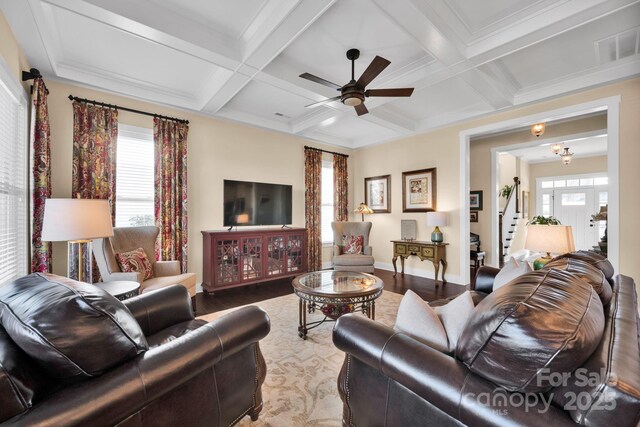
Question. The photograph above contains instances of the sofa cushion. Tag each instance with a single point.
(597, 260)
(454, 317)
(135, 260)
(349, 259)
(188, 280)
(510, 271)
(420, 321)
(546, 322)
(72, 329)
(586, 272)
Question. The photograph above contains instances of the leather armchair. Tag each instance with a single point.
(364, 262)
(194, 374)
(390, 379)
(125, 239)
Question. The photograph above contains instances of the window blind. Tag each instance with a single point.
(134, 177)
(13, 179)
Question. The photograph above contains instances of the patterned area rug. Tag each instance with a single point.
(301, 385)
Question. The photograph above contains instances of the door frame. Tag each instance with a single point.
(610, 104)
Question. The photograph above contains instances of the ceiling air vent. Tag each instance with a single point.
(618, 46)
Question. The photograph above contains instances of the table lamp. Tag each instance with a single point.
(557, 239)
(78, 222)
(437, 219)
(363, 209)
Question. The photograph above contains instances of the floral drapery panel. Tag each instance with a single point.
(340, 190)
(313, 201)
(170, 200)
(41, 175)
(95, 135)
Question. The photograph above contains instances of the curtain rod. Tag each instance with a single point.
(306, 147)
(33, 73)
(117, 107)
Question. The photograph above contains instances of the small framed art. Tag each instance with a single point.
(473, 216)
(475, 200)
(419, 190)
(377, 193)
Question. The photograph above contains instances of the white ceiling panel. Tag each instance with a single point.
(580, 147)
(241, 60)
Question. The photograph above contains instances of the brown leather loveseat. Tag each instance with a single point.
(72, 355)
(558, 347)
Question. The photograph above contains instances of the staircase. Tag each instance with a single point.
(508, 221)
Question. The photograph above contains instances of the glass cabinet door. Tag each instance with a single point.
(228, 270)
(295, 253)
(276, 255)
(251, 258)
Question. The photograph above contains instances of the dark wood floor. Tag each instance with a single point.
(230, 298)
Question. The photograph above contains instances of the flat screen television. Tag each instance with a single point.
(256, 203)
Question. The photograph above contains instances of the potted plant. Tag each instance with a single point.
(544, 220)
(505, 191)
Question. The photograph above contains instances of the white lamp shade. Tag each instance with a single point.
(76, 219)
(437, 219)
(557, 239)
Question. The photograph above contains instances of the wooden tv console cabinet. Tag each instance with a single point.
(239, 258)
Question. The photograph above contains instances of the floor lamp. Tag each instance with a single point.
(78, 222)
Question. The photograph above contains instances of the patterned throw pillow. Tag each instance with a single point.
(135, 260)
(352, 244)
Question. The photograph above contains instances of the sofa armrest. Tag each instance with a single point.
(157, 310)
(336, 250)
(435, 377)
(166, 268)
(484, 279)
(133, 276)
(368, 250)
(113, 396)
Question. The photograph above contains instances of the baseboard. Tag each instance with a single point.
(451, 279)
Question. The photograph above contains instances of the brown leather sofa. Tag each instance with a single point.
(144, 361)
(390, 379)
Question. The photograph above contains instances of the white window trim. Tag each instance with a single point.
(11, 84)
(327, 163)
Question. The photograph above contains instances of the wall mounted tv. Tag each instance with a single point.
(256, 203)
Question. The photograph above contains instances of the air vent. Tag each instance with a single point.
(618, 46)
(282, 115)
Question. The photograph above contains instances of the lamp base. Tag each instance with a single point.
(436, 235)
(541, 262)
(79, 265)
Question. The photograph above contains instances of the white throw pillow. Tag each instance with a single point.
(419, 320)
(510, 271)
(454, 316)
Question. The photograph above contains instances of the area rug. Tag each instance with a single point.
(301, 385)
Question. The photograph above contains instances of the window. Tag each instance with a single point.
(546, 204)
(13, 179)
(326, 213)
(134, 177)
(574, 199)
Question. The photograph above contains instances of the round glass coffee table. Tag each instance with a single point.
(335, 293)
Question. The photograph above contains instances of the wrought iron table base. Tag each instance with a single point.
(368, 308)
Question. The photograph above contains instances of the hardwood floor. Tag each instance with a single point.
(236, 297)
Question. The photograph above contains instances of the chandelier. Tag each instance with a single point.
(566, 156)
(537, 129)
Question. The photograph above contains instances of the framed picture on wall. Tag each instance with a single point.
(377, 193)
(473, 216)
(419, 190)
(475, 200)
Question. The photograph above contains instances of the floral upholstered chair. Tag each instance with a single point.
(351, 250)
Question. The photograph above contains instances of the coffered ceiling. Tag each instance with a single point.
(240, 60)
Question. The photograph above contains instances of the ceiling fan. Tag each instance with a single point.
(354, 92)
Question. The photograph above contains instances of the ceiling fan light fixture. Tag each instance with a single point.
(352, 101)
(537, 129)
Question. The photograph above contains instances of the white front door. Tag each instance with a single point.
(574, 207)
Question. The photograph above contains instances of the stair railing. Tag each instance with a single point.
(507, 218)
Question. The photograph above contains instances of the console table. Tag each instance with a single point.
(239, 258)
(434, 252)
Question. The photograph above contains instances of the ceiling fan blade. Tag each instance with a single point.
(320, 80)
(326, 101)
(361, 109)
(376, 67)
(407, 91)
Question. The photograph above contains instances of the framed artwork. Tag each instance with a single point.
(377, 193)
(419, 190)
(475, 200)
(408, 229)
(525, 204)
(473, 215)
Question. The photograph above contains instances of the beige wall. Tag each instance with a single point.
(577, 167)
(480, 169)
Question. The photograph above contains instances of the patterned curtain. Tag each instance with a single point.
(170, 201)
(95, 135)
(41, 175)
(340, 190)
(313, 200)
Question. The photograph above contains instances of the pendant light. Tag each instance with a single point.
(566, 156)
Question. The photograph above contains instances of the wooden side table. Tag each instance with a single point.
(121, 289)
(434, 252)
